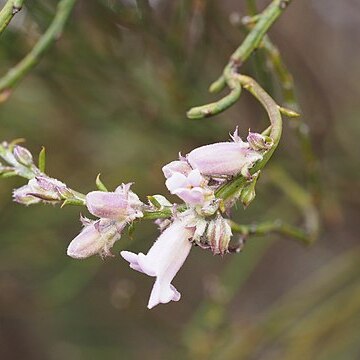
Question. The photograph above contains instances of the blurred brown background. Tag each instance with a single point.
(111, 97)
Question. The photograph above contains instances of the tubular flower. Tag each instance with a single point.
(191, 188)
(163, 261)
(225, 158)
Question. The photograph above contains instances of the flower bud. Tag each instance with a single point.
(96, 238)
(122, 204)
(248, 194)
(40, 188)
(218, 235)
(22, 155)
(226, 158)
(259, 142)
(47, 188)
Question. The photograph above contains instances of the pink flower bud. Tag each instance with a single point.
(226, 158)
(122, 204)
(96, 238)
(259, 142)
(218, 235)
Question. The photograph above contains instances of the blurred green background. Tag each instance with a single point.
(111, 97)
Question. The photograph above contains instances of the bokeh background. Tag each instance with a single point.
(111, 97)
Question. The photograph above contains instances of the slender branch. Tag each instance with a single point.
(301, 128)
(11, 8)
(253, 39)
(241, 54)
(300, 197)
(277, 226)
(19, 71)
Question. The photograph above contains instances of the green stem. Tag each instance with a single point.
(277, 226)
(301, 128)
(300, 197)
(253, 39)
(241, 54)
(8, 11)
(19, 71)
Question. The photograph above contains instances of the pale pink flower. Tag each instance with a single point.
(163, 261)
(122, 204)
(191, 188)
(97, 237)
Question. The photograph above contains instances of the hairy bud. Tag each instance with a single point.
(22, 155)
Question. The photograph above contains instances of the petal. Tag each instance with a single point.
(176, 181)
(162, 294)
(139, 262)
(21, 196)
(108, 205)
(195, 178)
(178, 166)
(193, 196)
(132, 258)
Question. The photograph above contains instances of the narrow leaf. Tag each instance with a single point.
(42, 160)
(100, 185)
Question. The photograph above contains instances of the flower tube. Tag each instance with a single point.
(163, 261)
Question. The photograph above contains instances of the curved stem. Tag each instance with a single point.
(8, 11)
(231, 188)
(14, 75)
(253, 39)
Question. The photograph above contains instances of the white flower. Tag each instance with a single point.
(163, 261)
(191, 188)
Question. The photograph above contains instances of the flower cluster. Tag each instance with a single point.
(114, 210)
(194, 178)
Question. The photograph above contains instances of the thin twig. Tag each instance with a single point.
(19, 71)
(241, 54)
(11, 8)
(267, 227)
